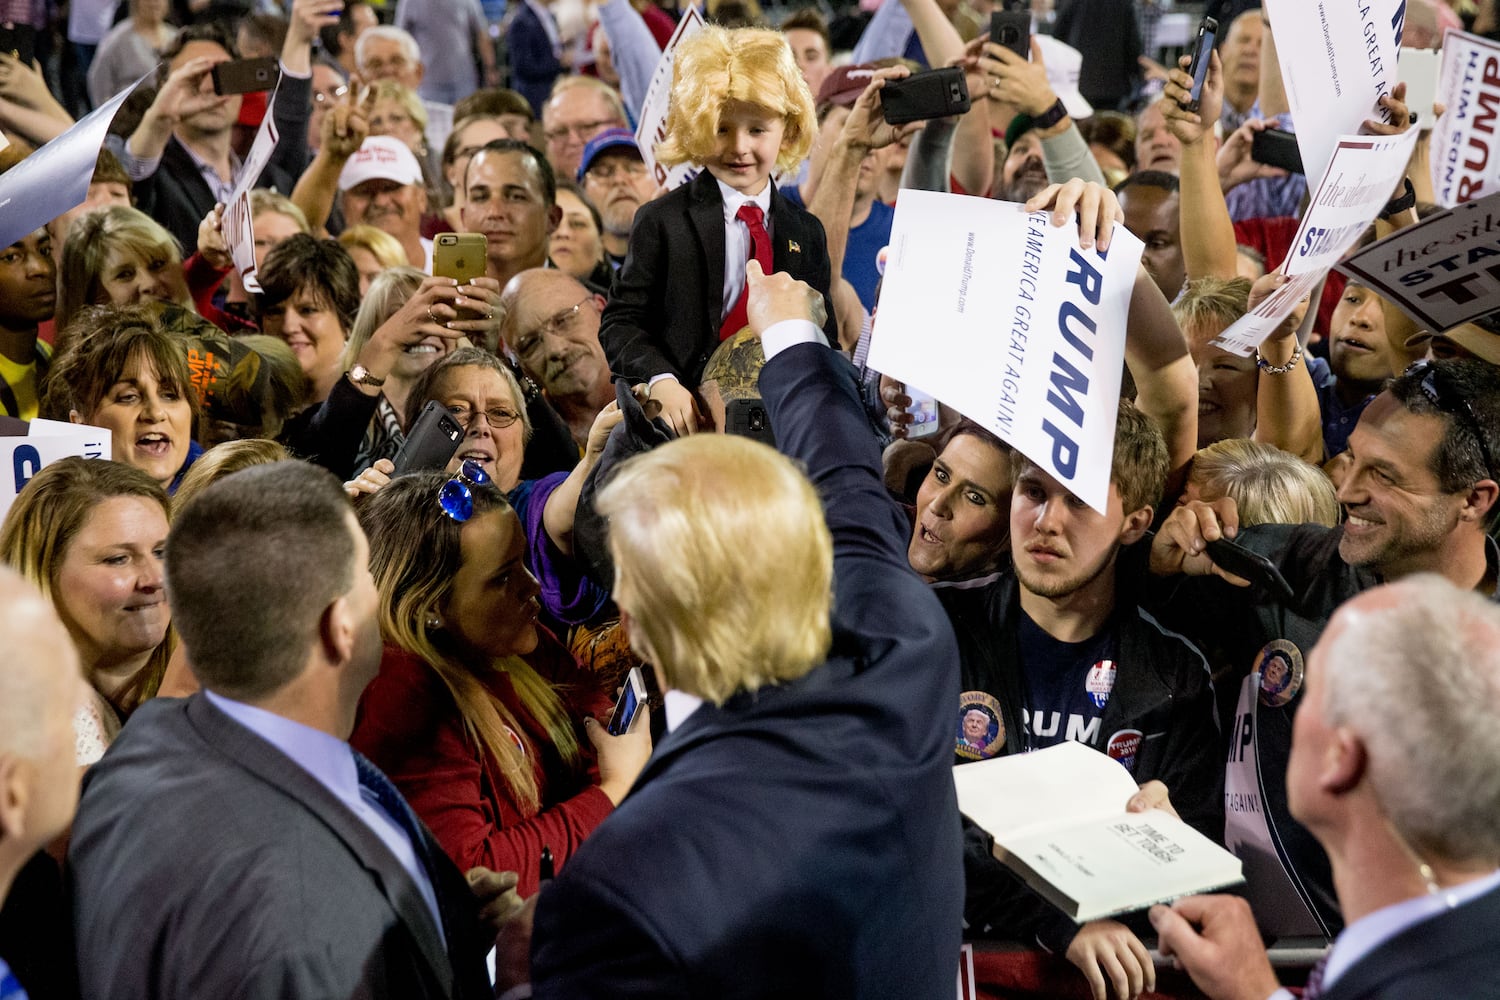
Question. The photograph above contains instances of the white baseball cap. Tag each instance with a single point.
(1063, 66)
(381, 157)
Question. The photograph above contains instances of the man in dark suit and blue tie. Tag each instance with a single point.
(232, 844)
(1393, 763)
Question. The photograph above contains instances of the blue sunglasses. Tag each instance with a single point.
(456, 498)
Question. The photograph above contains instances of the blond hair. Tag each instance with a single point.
(414, 553)
(723, 563)
(223, 460)
(1209, 304)
(389, 291)
(381, 245)
(719, 65)
(263, 200)
(1269, 486)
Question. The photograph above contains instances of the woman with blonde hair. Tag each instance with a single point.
(118, 256)
(477, 711)
(1269, 486)
(373, 250)
(90, 534)
(391, 290)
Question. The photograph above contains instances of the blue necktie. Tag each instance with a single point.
(376, 786)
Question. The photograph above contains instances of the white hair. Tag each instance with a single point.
(389, 32)
(1419, 680)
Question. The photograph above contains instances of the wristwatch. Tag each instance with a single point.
(1401, 202)
(1051, 116)
(360, 375)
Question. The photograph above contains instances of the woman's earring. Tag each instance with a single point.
(434, 622)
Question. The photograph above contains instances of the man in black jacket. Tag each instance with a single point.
(180, 157)
(1056, 649)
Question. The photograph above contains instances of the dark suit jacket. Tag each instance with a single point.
(206, 863)
(667, 303)
(533, 65)
(1451, 955)
(177, 195)
(802, 841)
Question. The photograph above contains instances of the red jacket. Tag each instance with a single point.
(409, 726)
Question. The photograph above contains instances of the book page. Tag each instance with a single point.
(1058, 786)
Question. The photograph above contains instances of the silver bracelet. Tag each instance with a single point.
(1271, 369)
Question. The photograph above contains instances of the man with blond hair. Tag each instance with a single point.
(807, 743)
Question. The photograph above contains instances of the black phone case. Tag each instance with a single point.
(936, 93)
(1012, 29)
(1251, 566)
(1276, 148)
(1208, 32)
(19, 40)
(748, 418)
(432, 442)
(245, 76)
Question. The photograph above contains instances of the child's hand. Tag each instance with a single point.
(678, 407)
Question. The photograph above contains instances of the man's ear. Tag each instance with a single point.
(75, 417)
(421, 72)
(337, 630)
(1480, 500)
(1137, 523)
(15, 792)
(1345, 763)
(554, 218)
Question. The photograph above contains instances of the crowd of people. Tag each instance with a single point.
(342, 730)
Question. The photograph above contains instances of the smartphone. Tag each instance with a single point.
(632, 700)
(748, 418)
(933, 93)
(431, 442)
(19, 40)
(1011, 27)
(924, 414)
(1420, 69)
(1203, 51)
(1251, 566)
(459, 255)
(245, 76)
(1276, 148)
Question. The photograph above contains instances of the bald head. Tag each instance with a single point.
(1410, 668)
(551, 323)
(41, 689)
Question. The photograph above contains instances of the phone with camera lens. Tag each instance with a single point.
(748, 418)
(431, 443)
(934, 93)
(632, 699)
(1203, 52)
(1011, 27)
(245, 76)
(460, 256)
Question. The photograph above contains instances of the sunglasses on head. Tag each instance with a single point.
(456, 498)
(1447, 400)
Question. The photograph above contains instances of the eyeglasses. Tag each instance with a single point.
(616, 168)
(530, 342)
(497, 416)
(329, 97)
(456, 498)
(1455, 404)
(583, 131)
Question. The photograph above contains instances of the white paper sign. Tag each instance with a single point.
(1465, 147)
(653, 126)
(1443, 271)
(1338, 58)
(55, 179)
(21, 458)
(238, 231)
(1361, 178)
(999, 314)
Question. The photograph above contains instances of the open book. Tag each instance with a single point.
(1087, 856)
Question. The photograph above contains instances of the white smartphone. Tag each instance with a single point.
(628, 707)
(924, 414)
(1420, 69)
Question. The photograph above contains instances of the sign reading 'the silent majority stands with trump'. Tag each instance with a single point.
(1001, 315)
(1466, 140)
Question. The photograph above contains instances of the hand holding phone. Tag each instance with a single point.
(632, 699)
(935, 93)
(1252, 566)
(1011, 27)
(431, 442)
(1203, 50)
(1276, 148)
(245, 76)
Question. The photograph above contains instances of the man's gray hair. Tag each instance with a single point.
(389, 32)
(1419, 682)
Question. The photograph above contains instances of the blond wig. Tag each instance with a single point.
(719, 65)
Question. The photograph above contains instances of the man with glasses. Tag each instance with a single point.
(1419, 495)
(616, 179)
(580, 108)
(552, 325)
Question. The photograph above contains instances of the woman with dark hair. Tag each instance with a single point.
(477, 711)
(577, 244)
(310, 297)
(90, 535)
(121, 370)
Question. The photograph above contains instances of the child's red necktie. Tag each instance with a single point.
(754, 219)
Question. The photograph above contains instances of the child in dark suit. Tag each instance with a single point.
(740, 110)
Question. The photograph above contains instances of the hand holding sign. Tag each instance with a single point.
(1096, 205)
(212, 246)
